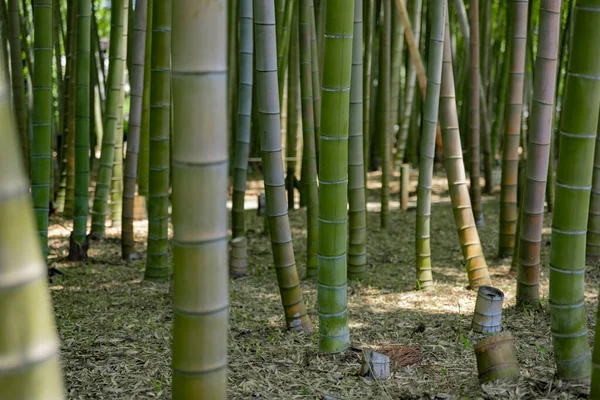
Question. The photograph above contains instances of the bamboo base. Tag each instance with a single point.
(497, 358)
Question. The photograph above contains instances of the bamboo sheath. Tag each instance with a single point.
(573, 186)
(270, 142)
(41, 119)
(309, 157)
(427, 150)
(334, 334)
(29, 347)
(113, 97)
(357, 210)
(385, 109)
(538, 150)
(470, 243)
(157, 266)
(200, 177)
(135, 121)
(244, 111)
(512, 134)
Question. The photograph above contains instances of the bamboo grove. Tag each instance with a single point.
(171, 110)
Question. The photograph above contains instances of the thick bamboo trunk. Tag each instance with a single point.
(309, 158)
(357, 211)
(512, 134)
(135, 120)
(385, 106)
(334, 335)
(270, 142)
(468, 236)
(157, 265)
(200, 182)
(113, 97)
(29, 347)
(573, 186)
(540, 132)
(428, 135)
(244, 115)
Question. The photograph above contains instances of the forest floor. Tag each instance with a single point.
(115, 328)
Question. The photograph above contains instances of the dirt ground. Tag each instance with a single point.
(115, 329)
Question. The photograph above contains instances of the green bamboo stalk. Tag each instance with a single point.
(397, 50)
(29, 346)
(595, 387)
(573, 185)
(78, 246)
(534, 186)
(511, 137)
(270, 142)
(18, 79)
(357, 211)
(592, 250)
(369, 33)
(502, 85)
(157, 267)
(316, 82)
(464, 218)
(474, 113)
(242, 149)
(411, 78)
(309, 158)
(334, 334)
(41, 145)
(113, 97)
(385, 109)
(116, 185)
(143, 171)
(232, 76)
(430, 117)
(133, 135)
(5, 72)
(200, 183)
(60, 87)
(293, 110)
(70, 120)
(283, 45)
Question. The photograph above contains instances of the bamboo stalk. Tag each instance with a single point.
(144, 154)
(385, 107)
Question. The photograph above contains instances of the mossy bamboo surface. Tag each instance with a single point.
(427, 148)
(29, 347)
(116, 186)
(309, 157)
(157, 266)
(474, 114)
(573, 185)
(411, 78)
(113, 97)
(357, 210)
(244, 112)
(470, 243)
(270, 142)
(41, 145)
(540, 132)
(385, 109)
(82, 127)
(17, 78)
(334, 335)
(512, 134)
(200, 186)
(143, 170)
(135, 121)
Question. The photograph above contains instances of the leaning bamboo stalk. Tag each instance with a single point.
(428, 134)
(133, 135)
(29, 346)
(244, 111)
(200, 182)
(512, 134)
(270, 142)
(540, 132)
(573, 186)
(357, 210)
(470, 243)
(309, 157)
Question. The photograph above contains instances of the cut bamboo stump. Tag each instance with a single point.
(404, 183)
(487, 317)
(139, 208)
(497, 358)
(375, 365)
(238, 258)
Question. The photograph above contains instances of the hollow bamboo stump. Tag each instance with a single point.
(497, 358)
(487, 317)
(375, 365)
